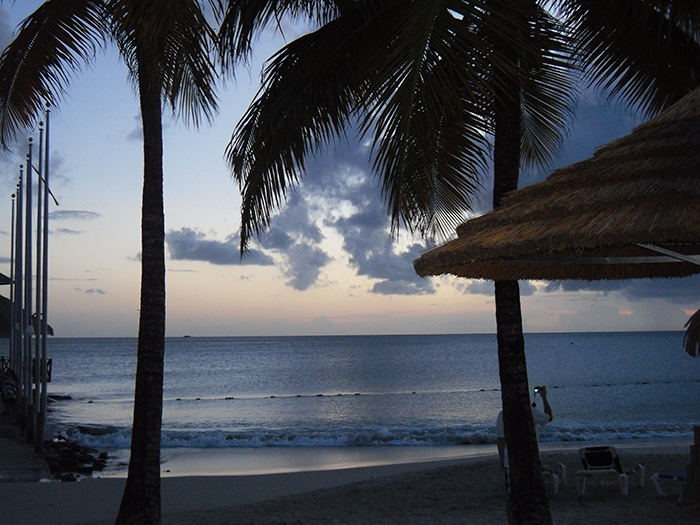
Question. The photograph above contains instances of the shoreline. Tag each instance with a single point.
(469, 489)
(234, 461)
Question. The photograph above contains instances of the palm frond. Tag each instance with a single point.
(530, 48)
(190, 76)
(547, 92)
(423, 107)
(415, 74)
(174, 38)
(55, 40)
(242, 21)
(645, 51)
(309, 90)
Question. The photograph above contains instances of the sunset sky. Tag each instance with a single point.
(328, 264)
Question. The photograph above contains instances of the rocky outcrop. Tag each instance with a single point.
(69, 461)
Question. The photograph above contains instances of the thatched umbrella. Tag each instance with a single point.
(5, 328)
(630, 211)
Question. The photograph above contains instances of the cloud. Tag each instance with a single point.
(296, 218)
(73, 215)
(304, 265)
(527, 288)
(484, 287)
(676, 291)
(66, 231)
(679, 291)
(187, 244)
(476, 287)
(673, 290)
(340, 195)
(296, 237)
(372, 254)
(277, 239)
(136, 134)
(402, 287)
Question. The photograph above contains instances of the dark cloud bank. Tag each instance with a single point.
(189, 245)
(338, 180)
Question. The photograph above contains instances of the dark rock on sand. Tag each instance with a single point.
(66, 459)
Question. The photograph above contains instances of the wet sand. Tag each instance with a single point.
(455, 490)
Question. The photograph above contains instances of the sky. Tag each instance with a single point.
(327, 266)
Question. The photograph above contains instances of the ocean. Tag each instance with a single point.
(374, 391)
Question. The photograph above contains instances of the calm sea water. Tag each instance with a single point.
(375, 390)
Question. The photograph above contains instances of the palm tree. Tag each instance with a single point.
(429, 79)
(430, 83)
(166, 46)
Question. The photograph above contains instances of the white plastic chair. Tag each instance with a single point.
(601, 462)
(558, 475)
(673, 476)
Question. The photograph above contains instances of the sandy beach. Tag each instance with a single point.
(467, 490)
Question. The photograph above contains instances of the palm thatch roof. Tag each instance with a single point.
(630, 211)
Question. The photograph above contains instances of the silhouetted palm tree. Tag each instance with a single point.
(430, 80)
(166, 45)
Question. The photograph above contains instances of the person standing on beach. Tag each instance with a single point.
(540, 417)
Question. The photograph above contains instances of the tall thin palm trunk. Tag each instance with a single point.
(141, 500)
(527, 501)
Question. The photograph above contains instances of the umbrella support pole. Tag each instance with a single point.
(681, 257)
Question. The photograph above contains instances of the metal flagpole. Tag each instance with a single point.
(17, 328)
(11, 335)
(45, 278)
(26, 325)
(37, 317)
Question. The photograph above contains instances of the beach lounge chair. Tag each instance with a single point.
(601, 462)
(673, 476)
(556, 473)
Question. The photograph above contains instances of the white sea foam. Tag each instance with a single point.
(116, 438)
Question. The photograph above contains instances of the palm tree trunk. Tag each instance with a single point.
(141, 502)
(527, 501)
